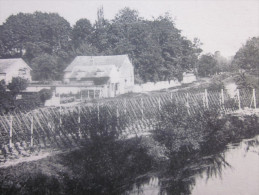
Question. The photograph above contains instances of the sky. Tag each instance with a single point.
(221, 25)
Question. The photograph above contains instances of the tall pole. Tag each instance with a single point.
(125, 106)
(79, 121)
(187, 103)
(159, 103)
(142, 107)
(98, 112)
(254, 98)
(238, 98)
(31, 130)
(11, 131)
(206, 99)
(222, 98)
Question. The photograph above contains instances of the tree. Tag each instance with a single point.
(8, 99)
(37, 36)
(45, 94)
(82, 32)
(21, 29)
(17, 85)
(127, 16)
(207, 65)
(247, 57)
(46, 67)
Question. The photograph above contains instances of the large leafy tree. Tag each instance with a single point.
(247, 57)
(82, 32)
(33, 36)
(22, 29)
(157, 49)
(207, 65)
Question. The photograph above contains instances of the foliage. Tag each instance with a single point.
(8, 101)
(36, 36)
(17, 85)
(205, 131)
(247, 57)
(45, 94)
(116, 166)
(8, 98)
(179, 130)
(156, 47)
(207, 65)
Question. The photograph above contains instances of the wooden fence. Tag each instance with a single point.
(66, 127)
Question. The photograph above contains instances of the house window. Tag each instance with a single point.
(117, 86)
(22, 72)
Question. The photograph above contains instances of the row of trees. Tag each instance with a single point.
(210, 64)
(48, 43)
(246, 58)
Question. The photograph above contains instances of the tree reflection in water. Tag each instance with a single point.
(180, 176)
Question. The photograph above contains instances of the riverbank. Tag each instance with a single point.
(180, 147)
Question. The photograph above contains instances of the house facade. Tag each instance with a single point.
(15, 67)
(112, 75)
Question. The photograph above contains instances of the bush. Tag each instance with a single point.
(45, 94)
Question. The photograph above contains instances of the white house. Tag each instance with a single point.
(113, 74)
(15, 67)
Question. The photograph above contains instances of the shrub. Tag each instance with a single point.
(45, 94)
(179, 130)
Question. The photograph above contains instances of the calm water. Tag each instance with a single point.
(234, 172)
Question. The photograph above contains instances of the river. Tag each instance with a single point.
(236, 173)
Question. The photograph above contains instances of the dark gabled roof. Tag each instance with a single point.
(6, 64)
(116, 60)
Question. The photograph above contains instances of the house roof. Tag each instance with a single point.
(92, 71)
(7, 64)
(116, 60)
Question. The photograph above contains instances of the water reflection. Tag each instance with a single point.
(234, 171)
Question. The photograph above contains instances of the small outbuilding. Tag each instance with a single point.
(15, 67)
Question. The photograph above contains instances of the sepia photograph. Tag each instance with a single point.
(129, 97)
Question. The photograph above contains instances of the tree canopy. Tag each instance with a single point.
(247, 57)
(46, 41)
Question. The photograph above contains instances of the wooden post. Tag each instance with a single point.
(171, 95)
(79, 121)
(11, 131)
(142, 107)
(203, 100)
(87, 93)
(206, 99)
(117, 113)
(222, 100)
(94, 93)
(254, 97)
(222, 97)
(238, 98)
(31, 130)
(159, 103)
(125, 106)
(98, 112)
(81, 98)
(187, 103)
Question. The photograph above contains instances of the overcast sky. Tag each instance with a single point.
(221, 25)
